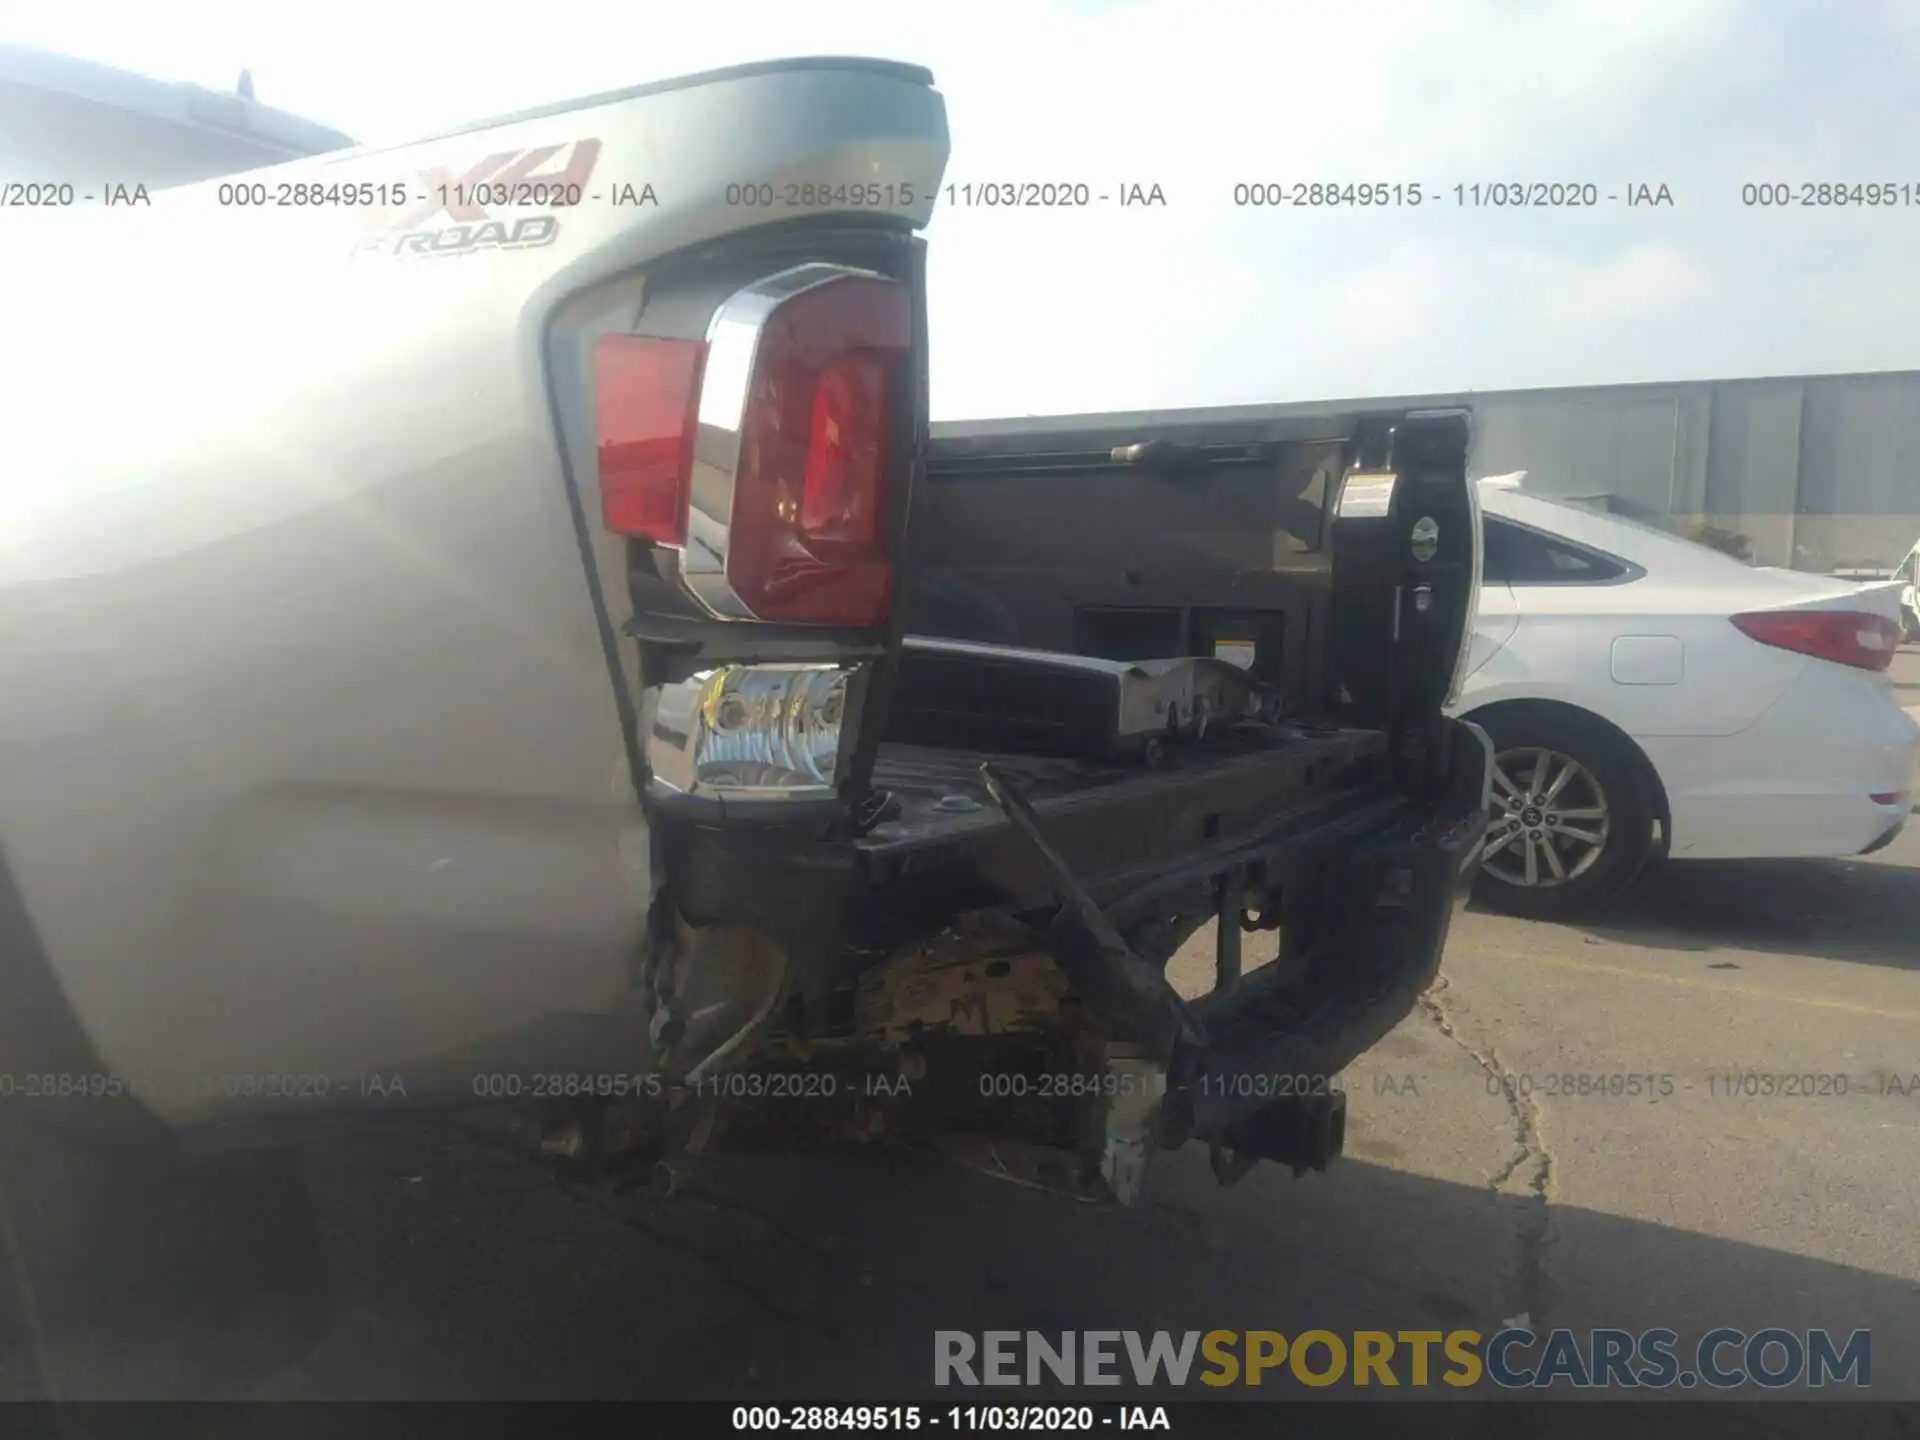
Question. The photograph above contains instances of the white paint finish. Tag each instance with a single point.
(1907, 575)
(303, 676)
(1563, 649)
(1648, 660)
(1493, 624)
(1798, 781)
(1761, 752)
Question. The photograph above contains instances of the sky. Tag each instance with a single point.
(1203, 301)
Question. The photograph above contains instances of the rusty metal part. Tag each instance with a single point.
(986, 1001)
(988, 997)
(956, 986)
(717, 987)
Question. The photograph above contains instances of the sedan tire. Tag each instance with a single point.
(1572, 821)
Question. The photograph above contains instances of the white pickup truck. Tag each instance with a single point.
(452, 610)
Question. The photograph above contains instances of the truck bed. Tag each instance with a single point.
(1179, 819)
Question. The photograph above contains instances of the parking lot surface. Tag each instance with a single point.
(1762, 1171)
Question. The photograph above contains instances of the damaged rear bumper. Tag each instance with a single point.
(1253, 1069)
(1019, 942)
(1299, 1027)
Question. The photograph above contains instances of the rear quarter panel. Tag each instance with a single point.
(1564, 648)
(1654, 653)
(311, 764)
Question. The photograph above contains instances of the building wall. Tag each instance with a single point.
(1816, 472)
(1859, 468)
(1753, 464)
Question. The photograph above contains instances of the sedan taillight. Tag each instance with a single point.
(1847, 637)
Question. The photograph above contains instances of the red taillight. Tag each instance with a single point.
(779, 510)
(1847, 637)
(846, 450)
(806, 544)
(647, 398)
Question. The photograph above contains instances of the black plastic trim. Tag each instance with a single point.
(1629, 572)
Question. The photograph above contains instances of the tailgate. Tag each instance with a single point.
(1334, 554)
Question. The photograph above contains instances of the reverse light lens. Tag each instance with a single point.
(1847, 637)
(646, 404)
(751, 732)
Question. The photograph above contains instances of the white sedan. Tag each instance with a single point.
(1648, 695)
(1907, 576)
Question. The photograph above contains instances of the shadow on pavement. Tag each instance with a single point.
(454, 1270)
(1837, 909)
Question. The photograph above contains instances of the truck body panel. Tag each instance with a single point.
(313, 767)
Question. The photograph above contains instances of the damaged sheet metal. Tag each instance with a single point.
(955, 985)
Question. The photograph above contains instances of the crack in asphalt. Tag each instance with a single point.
(1534, 1234)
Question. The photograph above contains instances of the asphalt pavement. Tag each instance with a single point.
(1485, 1180)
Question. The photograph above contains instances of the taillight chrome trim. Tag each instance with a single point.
(734, 335)
(764, 735)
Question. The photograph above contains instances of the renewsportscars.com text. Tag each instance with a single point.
(1511, 1359)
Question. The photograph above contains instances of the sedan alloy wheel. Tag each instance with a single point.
(1550, 819)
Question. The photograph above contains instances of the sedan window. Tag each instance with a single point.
(1516, 555)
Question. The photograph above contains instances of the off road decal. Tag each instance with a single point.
(547, 178)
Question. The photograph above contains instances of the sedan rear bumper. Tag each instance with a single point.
(1892, 832)
(1828, 770)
